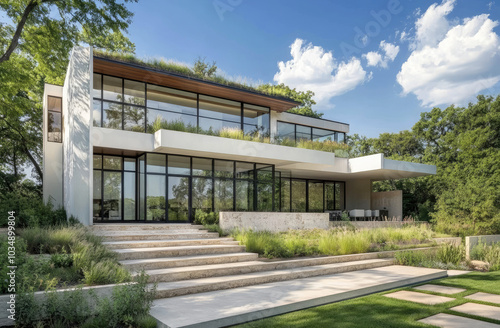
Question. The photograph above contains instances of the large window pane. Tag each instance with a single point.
(256, 120)
(129, 196)
(112, 195)
(97, 196)
(156, 163)
(224, 169)
(303, 133)
(285, 195)
(96, 113)
(112, 163)
(178, 195)
(212, 126)
(54, 127)
(112, 88)
(223, 195)
(155, 197)
(134, 92)
(97, 162)
(340, 137)
(96, 93)
(54, 104)
(265, 197)
(315, 196)
(298, 196)
(112, 117)
(286, 131)
(322, 135)
(244, 196)
(244, 170)
(330, 196)
(220, 109)
(134, 118)
(159, 119)
(142, 188)
(172, 100)
(179, 165)
(202, 194)
(202, 166)
(264, 172)
(339, 195)
(129, 164)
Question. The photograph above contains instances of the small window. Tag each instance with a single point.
(54, 119)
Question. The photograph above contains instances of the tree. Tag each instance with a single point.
(204, 69)
(304, 98)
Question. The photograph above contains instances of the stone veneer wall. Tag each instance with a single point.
(374, 224)
(273, 221)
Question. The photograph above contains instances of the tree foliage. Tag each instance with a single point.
(204, 69)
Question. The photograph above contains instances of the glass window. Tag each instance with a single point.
(202, 194)
(97, 162)
(172, 100)
(129, 196)
(142, 188)
(134, 92)
(212, 126)
(156, 163)
(256, 120)
(129, 164)
(330, 196)
(96, 113)
(286, 131)
(285, 195)
(298, 196)
(341, 137)
(264, 172)
(54, 127)
(112, 88)
(179, 165)
(244, 195)
(155, 197)
(202, 166)
(112, 163)
(97, 86)
(339, 195)
(265, 197)
(112, 195)
(113, 115)
(244, 170)
(54, 104)
(133, 118)
(97, 204)
(303, 132)
(224, 169)
(223, 195)
(315, 196)
(178, 193)
(322, 135)
(220, 109)
(158, 119)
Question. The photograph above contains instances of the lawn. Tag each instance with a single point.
(379, 311)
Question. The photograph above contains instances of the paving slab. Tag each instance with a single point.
(444, 320)
(452, 273)
(238, 305)
(419, 297)
(480, 310)
(485, 297)
(440, 289)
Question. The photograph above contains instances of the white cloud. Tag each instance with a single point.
(451, 64)
(374, 58)
(313, 68)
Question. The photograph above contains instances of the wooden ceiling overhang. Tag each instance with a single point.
(177, 81)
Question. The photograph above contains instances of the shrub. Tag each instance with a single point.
(202, 217)
(105, 272)
(447, 257)
(62, 260)
(451, 254)
(487, 253)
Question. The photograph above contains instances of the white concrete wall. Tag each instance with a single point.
(52, 156)
(272, 221)
(358, 194)
(77, 117)
(390, 200)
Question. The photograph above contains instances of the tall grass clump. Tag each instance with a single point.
(446, 257)
(487, 253)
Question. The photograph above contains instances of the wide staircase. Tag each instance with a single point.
(186, 259)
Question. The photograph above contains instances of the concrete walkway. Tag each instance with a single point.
(238, 305)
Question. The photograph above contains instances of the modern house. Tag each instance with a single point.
(125, 142)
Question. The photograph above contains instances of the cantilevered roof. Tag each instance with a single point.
(147, 74)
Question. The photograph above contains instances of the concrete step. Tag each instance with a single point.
(157, 236)
(167, 243)
(146, 232)
(187, 261)
(145, 226)
(215, 270)
(230, 307)
(185, 287)
(155, 252)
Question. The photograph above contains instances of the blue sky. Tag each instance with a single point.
(373, 64)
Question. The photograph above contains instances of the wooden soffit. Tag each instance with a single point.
(145, 74)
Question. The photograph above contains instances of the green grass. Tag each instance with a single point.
(378, 311)
(332, 242)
